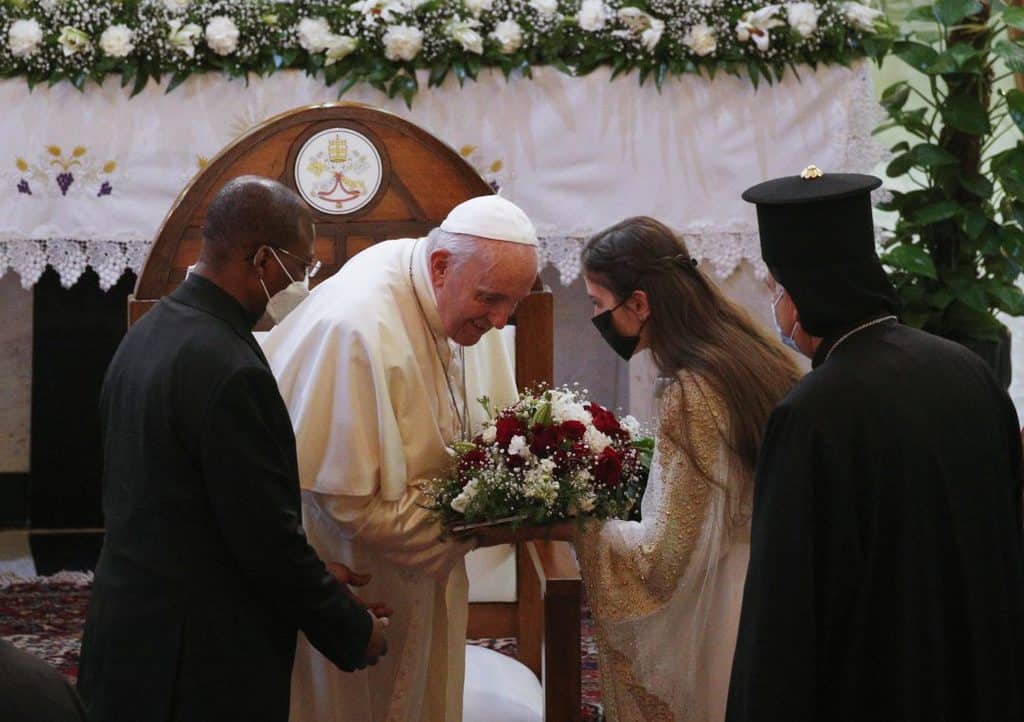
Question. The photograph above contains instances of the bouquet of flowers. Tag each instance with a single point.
(552, 455)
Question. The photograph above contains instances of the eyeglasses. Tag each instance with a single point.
(312, 267)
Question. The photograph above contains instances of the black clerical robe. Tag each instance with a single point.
(886, 577)
(205, 574)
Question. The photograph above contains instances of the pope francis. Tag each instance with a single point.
(380, 368)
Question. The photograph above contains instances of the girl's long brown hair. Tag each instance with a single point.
(694, 327)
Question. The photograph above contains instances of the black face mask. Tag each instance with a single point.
(624, 346)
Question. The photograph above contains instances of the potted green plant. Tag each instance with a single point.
(957, 248)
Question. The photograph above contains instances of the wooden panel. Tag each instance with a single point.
(136, 309)
(355, 244)
(492, 619)
(267, 158)
(535, 340)
(530, 614)
(187, 252)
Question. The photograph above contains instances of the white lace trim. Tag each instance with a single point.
(724, 251)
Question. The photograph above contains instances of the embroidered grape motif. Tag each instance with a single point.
(64, 180)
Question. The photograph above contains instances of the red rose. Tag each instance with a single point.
(505, 428)
(544, 441)
(604, 420)
(473, 460)
(571, 430)
(608, 468)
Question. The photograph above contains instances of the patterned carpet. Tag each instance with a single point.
(45, 616)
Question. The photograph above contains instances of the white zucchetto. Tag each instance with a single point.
(491, 217)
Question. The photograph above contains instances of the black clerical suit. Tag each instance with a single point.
(205, 574)
(886, 572)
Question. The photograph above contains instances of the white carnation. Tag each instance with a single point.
(222, 35)
(547, 8)
(478, 6)
(565, 407)
(701, 39)
(177, 6)
(630, 425)
(402, 42)
(490, 434)
(508, 35)
(314, 34)
(24, 37)
(117, 41)
(72, 40)
(593, 15)
(463, 32)
(517, 446)
(803, 17)
(861, 16)
(339, 47)
(183, 37)
(596, 440)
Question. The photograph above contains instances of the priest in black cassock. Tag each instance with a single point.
(886, 577)
(206, 574)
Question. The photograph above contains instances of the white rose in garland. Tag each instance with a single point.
(701, 40)
(402, 42)
(462, 31)
(861, 16)
(593, 15)
(222, 35)
(183, 37)
(314, 34)
(755, 25)
(117, 41)
(177, 6)
(339, 47)
(476, 7)
(24, 37)
(509, 36)
(73, 41)
(803, 17)
(547, 8)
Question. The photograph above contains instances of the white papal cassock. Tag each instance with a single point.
(361, 365)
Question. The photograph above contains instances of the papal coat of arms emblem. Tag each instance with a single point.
(338, 171)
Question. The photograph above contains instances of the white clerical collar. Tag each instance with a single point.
(424, 288)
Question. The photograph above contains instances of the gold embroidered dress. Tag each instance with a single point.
(665, 592)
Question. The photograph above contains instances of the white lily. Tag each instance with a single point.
(643, 25)
(183, 37)
(861, 17)
(756, 26)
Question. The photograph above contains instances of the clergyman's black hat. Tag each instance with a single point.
(818, 241)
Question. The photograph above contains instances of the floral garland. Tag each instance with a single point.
(383, 42)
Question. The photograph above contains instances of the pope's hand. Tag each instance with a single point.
(378, 645)
(354, 579)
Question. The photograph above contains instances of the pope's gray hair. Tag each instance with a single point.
(461, 246)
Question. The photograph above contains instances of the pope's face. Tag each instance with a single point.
(481, 291)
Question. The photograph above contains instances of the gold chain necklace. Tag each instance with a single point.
(462, 418)
(855, 330)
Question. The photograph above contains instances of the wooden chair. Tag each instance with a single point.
(421, 180)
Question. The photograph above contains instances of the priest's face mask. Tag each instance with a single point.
(283, 274)
(480, 290)
(619, 321)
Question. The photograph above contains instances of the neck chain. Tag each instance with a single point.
(463, 416)
(855, 330)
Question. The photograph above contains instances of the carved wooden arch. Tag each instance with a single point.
(423, 179)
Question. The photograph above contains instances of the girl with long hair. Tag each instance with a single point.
(665, 592)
